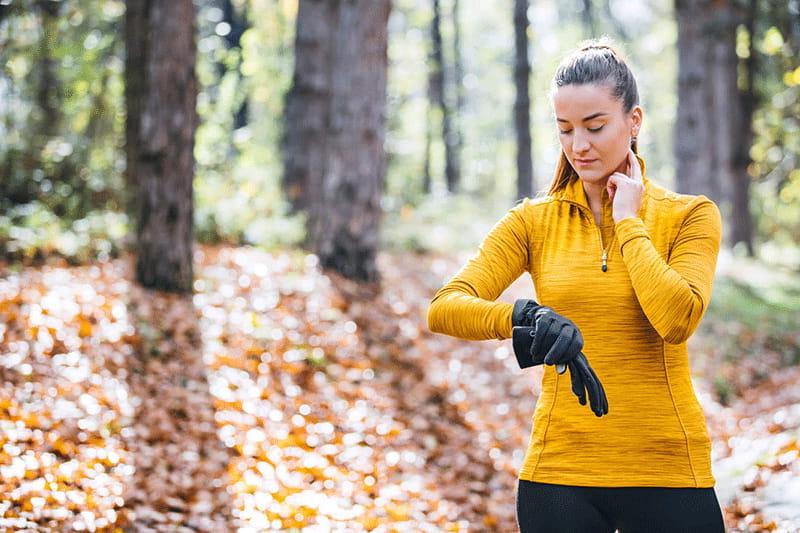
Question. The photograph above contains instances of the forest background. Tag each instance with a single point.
(187, 147)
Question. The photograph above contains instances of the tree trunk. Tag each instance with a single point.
(522, 121)
(339, 101)
(440, 100)
(458, 90)
(588, 19)
(426, 165)
(160, 138)
(238, 23)
(695, 169)
(742, 220)
(307, 106)
(793, 27)
(48, 90)
(136, 44)
(713, 132)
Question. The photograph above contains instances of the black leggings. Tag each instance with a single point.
(550, 508)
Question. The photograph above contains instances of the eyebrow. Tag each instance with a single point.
(590, 117)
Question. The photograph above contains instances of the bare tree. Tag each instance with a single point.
(307, 106)
(440, 100)
(335, 126)
(160, 94)
(522, 105)
(713, 132)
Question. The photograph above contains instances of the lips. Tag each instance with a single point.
(584, 162)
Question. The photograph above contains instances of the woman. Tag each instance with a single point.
(623, 270)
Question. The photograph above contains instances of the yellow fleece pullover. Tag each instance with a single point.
(635, 319)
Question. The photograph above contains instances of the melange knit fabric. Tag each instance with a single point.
(635, 319)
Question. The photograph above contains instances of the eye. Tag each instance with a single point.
(563, 132)
(595, 130)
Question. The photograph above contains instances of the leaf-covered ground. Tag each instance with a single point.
(278, 398)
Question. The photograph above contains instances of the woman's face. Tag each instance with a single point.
(594, 130)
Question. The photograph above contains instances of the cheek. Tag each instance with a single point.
(613, 142)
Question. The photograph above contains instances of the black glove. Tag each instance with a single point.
(560, 339)
(556, 337)
(583, 378)
(522, 314)
(581, 374)
(540, 335)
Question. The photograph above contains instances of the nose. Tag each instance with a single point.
(580, 143)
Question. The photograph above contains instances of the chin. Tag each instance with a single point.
(592, 175)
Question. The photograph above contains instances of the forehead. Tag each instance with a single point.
(573, 102)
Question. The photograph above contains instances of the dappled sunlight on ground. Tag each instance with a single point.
(276, 397)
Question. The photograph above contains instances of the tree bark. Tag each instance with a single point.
(440, 99)
(695, 155)
(161, 98)
(742, 221)
(339, 99)
(713, 132)
(307, 105)
(458, 91)
(522, 121)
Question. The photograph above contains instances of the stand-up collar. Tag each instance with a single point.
(574, 193)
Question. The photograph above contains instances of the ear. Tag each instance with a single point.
(636, 118)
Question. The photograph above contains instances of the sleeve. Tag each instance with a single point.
(674, 295)
(465, 306)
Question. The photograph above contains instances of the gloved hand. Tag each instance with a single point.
(522, 314)
(525, 313)
(582, 375)
(557, 337)
(540, 335)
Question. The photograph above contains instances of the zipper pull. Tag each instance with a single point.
(605, 255)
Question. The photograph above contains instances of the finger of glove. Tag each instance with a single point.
(576, 344)
(578, 387)
(602, 389)
(595, 399)
(558, 352)
(542, 338)
(529, 312)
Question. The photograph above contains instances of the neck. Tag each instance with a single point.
(597, 193)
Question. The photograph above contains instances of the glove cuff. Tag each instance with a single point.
(522, 340)
(522, 310)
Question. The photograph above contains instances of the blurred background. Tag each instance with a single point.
(256, 188)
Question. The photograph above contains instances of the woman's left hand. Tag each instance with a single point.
(626, 191)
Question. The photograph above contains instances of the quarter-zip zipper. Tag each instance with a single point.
(604, 266)
(604, 255)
